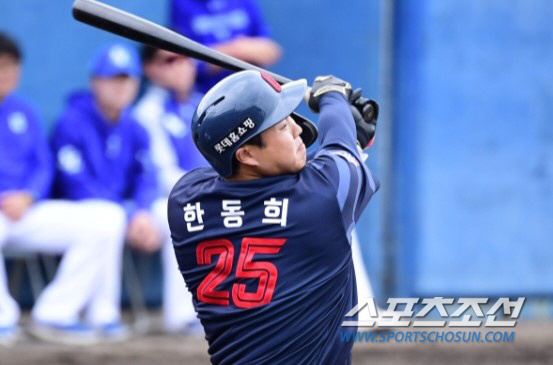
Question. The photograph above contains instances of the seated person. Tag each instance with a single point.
(88, 235)
(165, 111)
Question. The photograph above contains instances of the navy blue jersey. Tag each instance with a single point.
(268, 261)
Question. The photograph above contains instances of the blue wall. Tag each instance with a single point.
(474, 146)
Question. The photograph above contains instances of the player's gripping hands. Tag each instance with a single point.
(323, 85)
(365, 115)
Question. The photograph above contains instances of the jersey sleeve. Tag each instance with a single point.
(144, 183)
(338, 159)
(148, 113)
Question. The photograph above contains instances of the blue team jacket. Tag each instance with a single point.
(25, 161)
(96, 159)
(268, 261)
(212, 22)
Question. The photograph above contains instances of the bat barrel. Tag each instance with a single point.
(141, 30)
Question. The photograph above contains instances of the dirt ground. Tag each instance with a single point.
(533, 344)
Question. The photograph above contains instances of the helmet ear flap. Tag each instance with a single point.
(309, 132)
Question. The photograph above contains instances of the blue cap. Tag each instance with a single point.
(116, 59)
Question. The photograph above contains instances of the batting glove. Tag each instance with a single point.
(323, 85)
(365, 115)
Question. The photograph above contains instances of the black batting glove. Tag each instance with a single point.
(365, 115)
(323, 85)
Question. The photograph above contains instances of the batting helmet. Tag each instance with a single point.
(240, 107)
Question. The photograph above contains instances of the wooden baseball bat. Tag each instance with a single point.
(133, 27)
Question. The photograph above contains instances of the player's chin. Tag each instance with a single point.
(301, 159)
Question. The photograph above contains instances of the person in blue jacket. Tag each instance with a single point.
(101, 151)
(88, 236)
(165, 111)
(234, 27)
(263, 237)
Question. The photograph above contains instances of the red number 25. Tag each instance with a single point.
(266, 272)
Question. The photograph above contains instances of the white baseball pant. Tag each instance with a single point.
(89, 234)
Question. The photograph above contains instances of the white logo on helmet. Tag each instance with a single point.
(234, 137)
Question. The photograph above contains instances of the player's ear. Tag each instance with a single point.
(245, 156)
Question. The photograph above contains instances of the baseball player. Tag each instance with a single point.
(263, 238)
(165, 112)
(234, 27)
(103, 153)
(88, 236)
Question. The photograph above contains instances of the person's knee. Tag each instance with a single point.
(110, 219)
(160, 209)
(115, 217)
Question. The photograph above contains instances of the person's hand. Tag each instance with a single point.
(15, 204)
(143, 233)
(323, 85)
(365, 115)
(257, 50)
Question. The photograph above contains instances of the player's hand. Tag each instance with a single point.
(365, 115)
(143, 233)
(257, 50)
(323, 85)
(15, 204)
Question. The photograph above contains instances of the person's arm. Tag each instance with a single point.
(142, 231)
(336, 125)
(39, 180)
(38, 173)
(338, 159)
(149, 112)
(144, 188)
(254, 45)
(261, 51)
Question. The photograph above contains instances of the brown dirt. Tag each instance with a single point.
(533, 344)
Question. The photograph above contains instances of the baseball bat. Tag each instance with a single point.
(133, 27)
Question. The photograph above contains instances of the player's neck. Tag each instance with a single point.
(112, 115)
(245, 173)
(4, 96)
(181, 96)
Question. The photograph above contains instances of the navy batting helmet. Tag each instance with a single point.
(240, 107)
